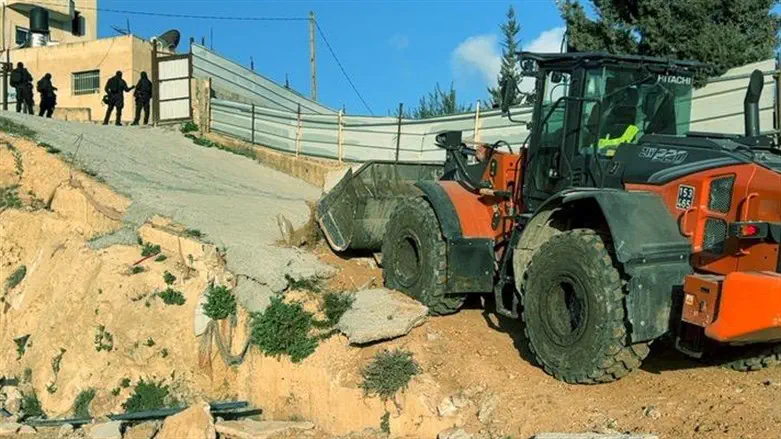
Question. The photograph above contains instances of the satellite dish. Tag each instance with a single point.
(168, 40)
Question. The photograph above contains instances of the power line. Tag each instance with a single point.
(188, 16)
(330, 49)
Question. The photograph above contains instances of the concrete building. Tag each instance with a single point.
(69, 21)
(79, 62)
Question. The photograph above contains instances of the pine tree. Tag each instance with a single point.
(437, 103)
(510, 68)
(720, 33)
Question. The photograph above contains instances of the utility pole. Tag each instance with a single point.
(5, 68)
(312, 53)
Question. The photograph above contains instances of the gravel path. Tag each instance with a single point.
(232, 199)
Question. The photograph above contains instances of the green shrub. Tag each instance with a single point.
(125, 383)
(104, 341)
(13, 128)
(385, 423)
(49, 148)
(312, 284)
(283, 329)
(115, 391)
(31, 407)
(334, 306)
(16, 277)
(189, 127)
(149, 249)
(57, 361)
(150, 342)
(21, 346)
(148, 395)
(220, 303)
(9, 198)
(169, 278)
(137, 269)
(389, 372)
(194, 233)
(81, 403)
(172, 297)
(161, 257)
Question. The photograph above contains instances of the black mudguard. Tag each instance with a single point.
(648, 243)
(470, 261)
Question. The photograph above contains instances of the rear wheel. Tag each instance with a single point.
(414, 257)
(750, 358)
(573, 311)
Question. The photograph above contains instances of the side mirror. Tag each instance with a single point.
(508, 93)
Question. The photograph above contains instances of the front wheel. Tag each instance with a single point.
(573, 311)
(414, 257)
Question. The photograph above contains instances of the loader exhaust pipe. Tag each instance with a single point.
(751, 103)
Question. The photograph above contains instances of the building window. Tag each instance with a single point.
(85, 83)
(77, 28)
(22, 35)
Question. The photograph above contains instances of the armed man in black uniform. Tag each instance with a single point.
(115, 97)
(22, 81)
(143, 95)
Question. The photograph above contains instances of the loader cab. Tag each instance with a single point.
(587, 105)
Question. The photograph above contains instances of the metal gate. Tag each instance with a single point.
(172, 88)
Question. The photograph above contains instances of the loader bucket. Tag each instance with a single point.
(355, 212)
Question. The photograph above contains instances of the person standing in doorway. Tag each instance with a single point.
(48, 95)
(115, 91)
(143, 95)
(21, 80)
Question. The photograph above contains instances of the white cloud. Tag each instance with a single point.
(481, 54)
(399, 41)
(548, 41)
(478, 54)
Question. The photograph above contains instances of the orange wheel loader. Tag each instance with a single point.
(613, 227)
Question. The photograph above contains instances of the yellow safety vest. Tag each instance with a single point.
(628, 136)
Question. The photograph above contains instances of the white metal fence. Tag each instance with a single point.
(717, 107)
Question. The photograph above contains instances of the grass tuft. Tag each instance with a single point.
(16, 277)
(220, 303)
(313, 285)
(9, 197)
(283, 329)
(82, 402)
(194, 233)
(15, 129)
(169, 278)
(104, 341)
(148, 395)
(31, 407)
(49, 148)
(148, 249)
(172, 297)
(389, 372)
(189, 127)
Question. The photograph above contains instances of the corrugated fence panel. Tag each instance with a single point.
(717, 107)
(240, 84)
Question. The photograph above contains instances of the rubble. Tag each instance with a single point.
(145, 430)
(247, 429)
(593, 436)
(454, 433)
(487, 409)
(64, 431)
(381, 314)
(195, 423)
(9, 428)
(106, 430)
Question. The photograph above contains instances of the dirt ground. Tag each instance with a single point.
(71, 290)
(671, 396)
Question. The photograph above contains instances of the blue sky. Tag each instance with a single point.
(394, 51)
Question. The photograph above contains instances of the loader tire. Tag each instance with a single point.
(751, 358)
(573, 311)
(414, 257)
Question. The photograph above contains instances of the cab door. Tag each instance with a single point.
(555, 129)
